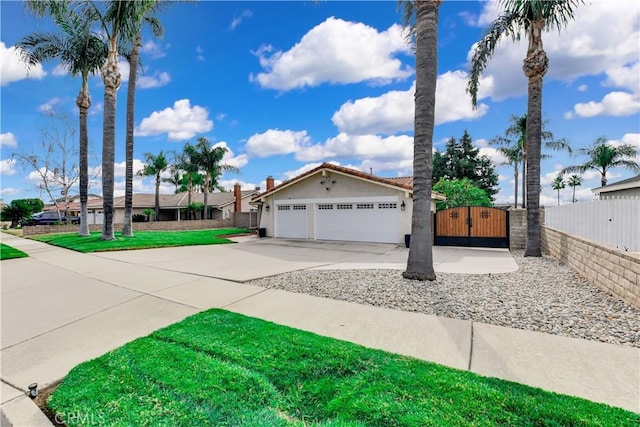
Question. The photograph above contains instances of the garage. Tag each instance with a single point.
(291, 221)
(357, 221)
(332, 202)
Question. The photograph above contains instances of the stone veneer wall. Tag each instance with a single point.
(139, 226)
(610, 269)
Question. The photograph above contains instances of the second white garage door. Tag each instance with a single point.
(357, 222)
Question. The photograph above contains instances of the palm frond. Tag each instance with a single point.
(485, 48)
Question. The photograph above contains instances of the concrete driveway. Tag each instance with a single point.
(60, 308)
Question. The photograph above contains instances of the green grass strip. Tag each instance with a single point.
(9, 252)
(140, 240)
(224, 369)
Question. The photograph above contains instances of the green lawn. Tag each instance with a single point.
(218, 368)
(140, 240)
(8, 252)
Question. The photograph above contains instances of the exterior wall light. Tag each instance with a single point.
(403, 205)
(267, 207)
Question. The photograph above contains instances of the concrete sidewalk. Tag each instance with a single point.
(60, 308)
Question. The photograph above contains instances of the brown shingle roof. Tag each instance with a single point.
(404, 183)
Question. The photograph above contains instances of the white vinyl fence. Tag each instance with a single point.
(613, 222)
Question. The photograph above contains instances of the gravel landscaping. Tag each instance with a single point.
(543, 296)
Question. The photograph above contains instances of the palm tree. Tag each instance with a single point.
(604, 156)
(574, 181)
(188, 163)
(558, 184)
(514, 157)
(120, 22)
(209, 162)
(156, 27)
(515, 138)
(83, 53)
(154, 167)
(531, 17)
(425, 30)
(175, 178)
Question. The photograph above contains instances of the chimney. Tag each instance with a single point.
(269, 183)
(237, 194)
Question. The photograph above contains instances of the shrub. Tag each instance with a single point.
(138, 218)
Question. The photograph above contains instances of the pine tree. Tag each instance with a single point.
(462, 160)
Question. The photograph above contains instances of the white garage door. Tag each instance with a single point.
(291, 221)
(358, 221)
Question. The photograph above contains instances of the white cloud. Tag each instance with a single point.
(389, 113)
(119, 169)
(229, 157)
(153, 50)
(335, 51)
(10, 191)
(7, 167)
(627, 77)
(228, 185)
(158, 79)
(124, 68)
(60, 71)
(616, 103)
(8, 139)
(394, 111)
(306, 168)
(496, 157)
(585, 47)
(275, 141)
(48, 106)
(179, 122)
(632, 139)
(583, 88)
(366, 147)
(12, 68)
(238, 19)
(200, 53)
(613, 104)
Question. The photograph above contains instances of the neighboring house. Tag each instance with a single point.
(627, 188)
(173, 206)
(74, 206)
(337, 203)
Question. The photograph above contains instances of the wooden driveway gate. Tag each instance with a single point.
(475, 226)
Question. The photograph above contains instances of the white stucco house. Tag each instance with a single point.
(333, 202)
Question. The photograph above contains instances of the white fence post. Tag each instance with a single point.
(612, 222)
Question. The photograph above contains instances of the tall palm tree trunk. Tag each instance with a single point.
(515, 179)
(127, 225)
(524, 181)
(84, 103)
(420, 261)
(157, 206)
(206, 197)
(535, 67)
(111, 79)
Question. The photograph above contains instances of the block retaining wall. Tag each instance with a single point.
(137, 226)
(610, 269)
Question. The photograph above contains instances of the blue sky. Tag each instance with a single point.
(288, 85)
